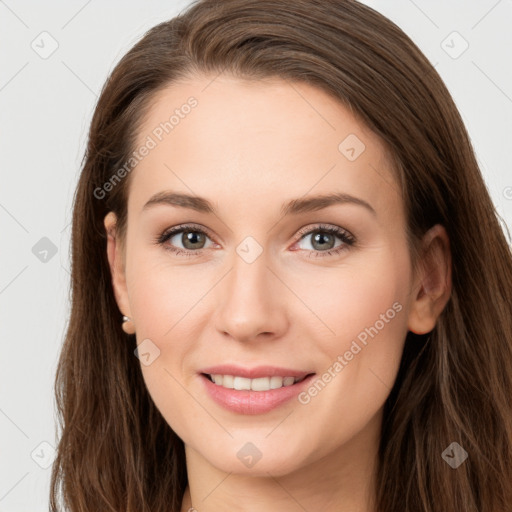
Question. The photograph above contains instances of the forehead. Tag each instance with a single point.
(218, 135)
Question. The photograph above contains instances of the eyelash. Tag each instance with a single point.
(347, 239)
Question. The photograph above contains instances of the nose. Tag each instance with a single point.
(251, 302)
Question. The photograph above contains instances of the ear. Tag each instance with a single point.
(117, 264)
(433, 285)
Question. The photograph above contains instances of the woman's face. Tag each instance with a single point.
(255, 280)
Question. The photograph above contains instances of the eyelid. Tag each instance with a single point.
(187, 227)
(333, 228)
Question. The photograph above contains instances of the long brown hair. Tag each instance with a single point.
(116, 452)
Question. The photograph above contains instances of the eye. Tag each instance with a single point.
(192, 238)
(324, 239)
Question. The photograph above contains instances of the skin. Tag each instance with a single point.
(248, 147)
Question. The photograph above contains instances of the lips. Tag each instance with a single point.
(253, 390)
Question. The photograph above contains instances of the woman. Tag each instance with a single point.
(217, 356)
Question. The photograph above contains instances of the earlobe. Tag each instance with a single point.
(116, 263)
(433, 286)
(128, 326)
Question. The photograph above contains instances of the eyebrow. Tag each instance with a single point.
(293, 207)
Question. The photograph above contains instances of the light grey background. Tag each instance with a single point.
(46, 106)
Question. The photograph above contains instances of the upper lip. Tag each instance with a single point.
(253, 373)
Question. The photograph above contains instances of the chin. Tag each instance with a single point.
(249, 460)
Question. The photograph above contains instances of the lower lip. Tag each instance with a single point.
(253, 402)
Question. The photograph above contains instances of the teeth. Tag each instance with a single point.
(228, 381)
(259, 384)
(288, 381)
(239, 382)
(275, 382)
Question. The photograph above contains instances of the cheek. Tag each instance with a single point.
(162, 293)
(369, 293)
(367, 312)
(166, 301)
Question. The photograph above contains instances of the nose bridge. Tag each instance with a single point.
(249, 278)
(249, 302)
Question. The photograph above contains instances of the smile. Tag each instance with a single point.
(253, 390)
(260, 384)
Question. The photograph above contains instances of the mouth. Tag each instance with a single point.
(266, 383)
(256, 391)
